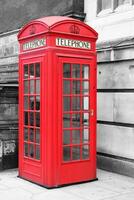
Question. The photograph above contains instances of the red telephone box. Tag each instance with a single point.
(57, 102)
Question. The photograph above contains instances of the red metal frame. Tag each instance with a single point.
(52, 168)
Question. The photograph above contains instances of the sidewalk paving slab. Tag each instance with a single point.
(110, 186)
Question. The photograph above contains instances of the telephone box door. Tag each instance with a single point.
(30, 130)
(77, 86)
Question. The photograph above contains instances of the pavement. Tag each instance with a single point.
(110, 186)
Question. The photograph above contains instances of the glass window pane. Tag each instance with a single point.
(37, 153)
(66, 137)
(66, 120)
(37, 99)
(85, 119)
(26, 118)
(37, 136)
(26, 87)
(31, 119)
(66, 103)
(25, 71)
(66, 153)
(85, 152)
(75, 136)
(31, 69)
(75, 71)
(26, 102)
(31, 102)
(76, 120)
(31, 138)
(85, 87)
(76, 87)
(31, 86)
(76, 153)
(66, 87)
(26, 134)
(31, 151)
(75, 103)
(121, 2)
(85, 71)
(37, 86)
(85, 103)
(38, 119)
(106, 4)
(37, 69)
(66, 70)
(25, 149)
(85, 136)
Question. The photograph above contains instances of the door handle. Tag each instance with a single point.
(91, 112)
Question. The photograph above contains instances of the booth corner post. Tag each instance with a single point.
(57, 102)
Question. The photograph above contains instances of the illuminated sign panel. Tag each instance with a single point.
(73, 43)
(34, 44)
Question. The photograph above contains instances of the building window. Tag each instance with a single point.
(109, 6)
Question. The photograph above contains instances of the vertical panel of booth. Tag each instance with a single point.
(57, 102)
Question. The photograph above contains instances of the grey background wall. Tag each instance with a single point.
(15, 13)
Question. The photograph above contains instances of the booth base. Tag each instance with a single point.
(59, 186)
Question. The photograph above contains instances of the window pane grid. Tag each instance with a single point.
(75, 112)
(31, 98)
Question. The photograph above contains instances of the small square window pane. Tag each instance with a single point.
(106, 4)
(66, 70)
(26, 102)
(31, 66)
(85, 71)
(25, 149)
(85, 152)
(26, 87)
(75, 103)
(31, 119)
(85, 103)
(76, 87)
(76, 153)
(66, 153)
(37, 153)
(66, 102)
(85, 135)
(31, 151)
(31, 86)
(75, 136)
(122, 2)
(85, 119)
(37, 69)
(37, 135)
(26, 118)
(37, 102)
(75, 71)
(25, 134)
(31, 138)
(85, 87)
(66, 137)
(66, 87)
(25, 71)
(37, 86)
(31, 102)
(66, 120)
(76, 120)
(38, 119)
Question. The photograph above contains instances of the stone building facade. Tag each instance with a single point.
(14, 14)
(113, 20)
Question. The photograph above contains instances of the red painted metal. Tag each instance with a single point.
(57, 102)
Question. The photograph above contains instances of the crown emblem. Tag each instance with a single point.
(74, 29)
